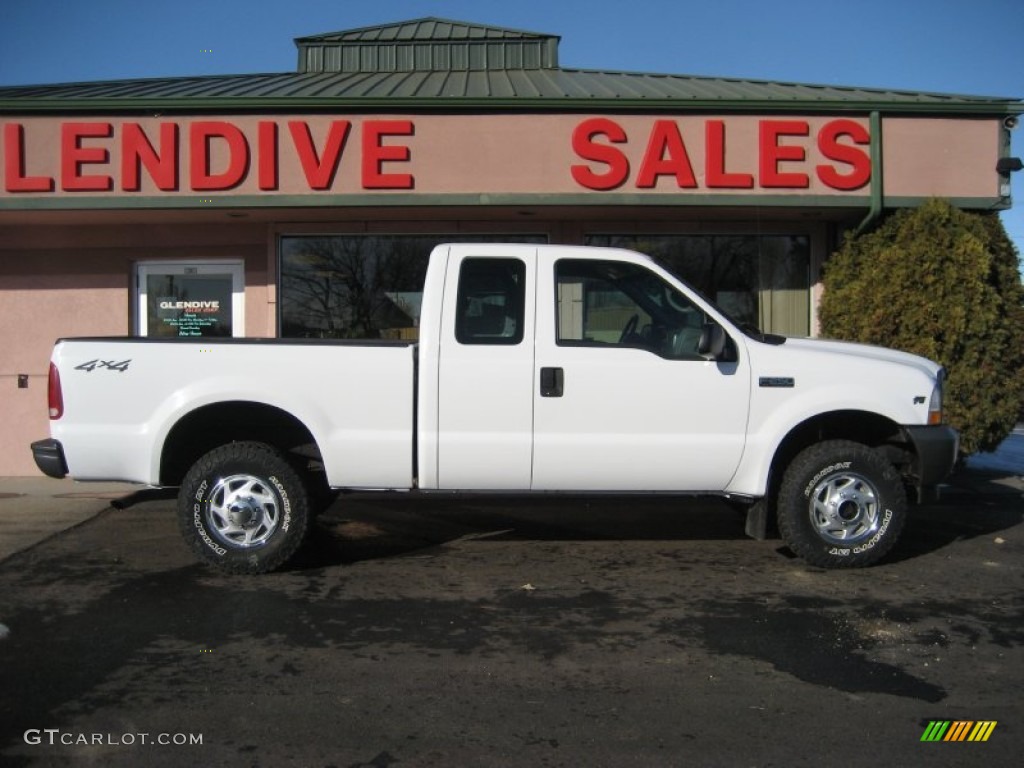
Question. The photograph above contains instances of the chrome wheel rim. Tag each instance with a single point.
(243, 511)
(844, 508)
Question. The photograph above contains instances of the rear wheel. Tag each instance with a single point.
(841, 505)
(243, 508)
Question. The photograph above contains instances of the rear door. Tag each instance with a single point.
(486, 368)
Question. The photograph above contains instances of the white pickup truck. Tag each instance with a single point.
(539, 369)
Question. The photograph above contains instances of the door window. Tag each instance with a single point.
(361, 286)
(760, 280)
(607, 303)
(491, 301)
(196, 299)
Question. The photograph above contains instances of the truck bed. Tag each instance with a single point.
(357, 398)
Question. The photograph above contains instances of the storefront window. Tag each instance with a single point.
(360, 286)
(761, 280)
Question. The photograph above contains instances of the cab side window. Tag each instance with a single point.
(616, 304)
(491, 301)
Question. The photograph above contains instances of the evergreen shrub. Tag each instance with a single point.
(945, 284)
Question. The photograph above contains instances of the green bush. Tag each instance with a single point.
(945, 284)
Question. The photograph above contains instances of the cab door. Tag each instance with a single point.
(485, 368)
(623, 398)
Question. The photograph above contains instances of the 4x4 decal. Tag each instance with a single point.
(104, 365)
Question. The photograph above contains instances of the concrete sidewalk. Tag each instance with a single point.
(32, 509)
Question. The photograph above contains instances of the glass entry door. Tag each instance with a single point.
(190, 299)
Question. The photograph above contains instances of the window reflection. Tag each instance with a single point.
(608, 303)
(759, 280)
(360, 286)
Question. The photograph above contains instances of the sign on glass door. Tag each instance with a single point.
(190, 299)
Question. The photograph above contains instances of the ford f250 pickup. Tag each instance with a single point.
(537, 369)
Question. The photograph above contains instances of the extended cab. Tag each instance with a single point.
(538, 368)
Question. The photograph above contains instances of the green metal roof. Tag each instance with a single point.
(427, 45)
(420, 30)
(444, 64)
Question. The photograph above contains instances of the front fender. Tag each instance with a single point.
(794, 386)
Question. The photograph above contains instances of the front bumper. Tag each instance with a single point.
(935, 448)
(49, 457)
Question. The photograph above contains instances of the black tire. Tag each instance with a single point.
(243, 508)
(841, 505)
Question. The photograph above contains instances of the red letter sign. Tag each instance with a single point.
(266, 152)
(15, 179)
(375, 154)
(714, 159)
(583, 145)
(858, 159)
(73, 156)
(666, 140)
(137, 151)
(200, 136)
(319, 170)
(772, 153)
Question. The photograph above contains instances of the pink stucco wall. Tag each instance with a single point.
(75, 281)
(940, 158)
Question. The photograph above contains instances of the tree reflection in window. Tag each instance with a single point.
(359, 286)
(760, 280)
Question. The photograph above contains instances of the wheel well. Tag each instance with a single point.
(205, 428)
(859, 426)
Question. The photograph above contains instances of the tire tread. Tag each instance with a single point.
(792, 515)
(257, 454)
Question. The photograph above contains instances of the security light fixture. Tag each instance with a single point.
(1007, 165)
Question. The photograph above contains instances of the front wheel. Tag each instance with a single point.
(243, 508)
(841, 505)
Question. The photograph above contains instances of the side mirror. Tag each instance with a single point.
(712, 341)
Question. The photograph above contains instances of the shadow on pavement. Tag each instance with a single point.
(143, 495)
(372, 526)
(362, 527)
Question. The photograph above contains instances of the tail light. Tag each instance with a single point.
(54, 394)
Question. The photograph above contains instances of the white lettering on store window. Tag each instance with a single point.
(192, 306)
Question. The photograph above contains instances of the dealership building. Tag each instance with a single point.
(304, 204)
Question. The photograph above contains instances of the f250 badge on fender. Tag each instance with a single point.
(104, 365)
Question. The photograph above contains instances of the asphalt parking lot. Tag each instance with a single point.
(535, 632)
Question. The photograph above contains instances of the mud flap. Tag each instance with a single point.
(757, 521)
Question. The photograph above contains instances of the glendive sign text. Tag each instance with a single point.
(85, 158)
(432, 154)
